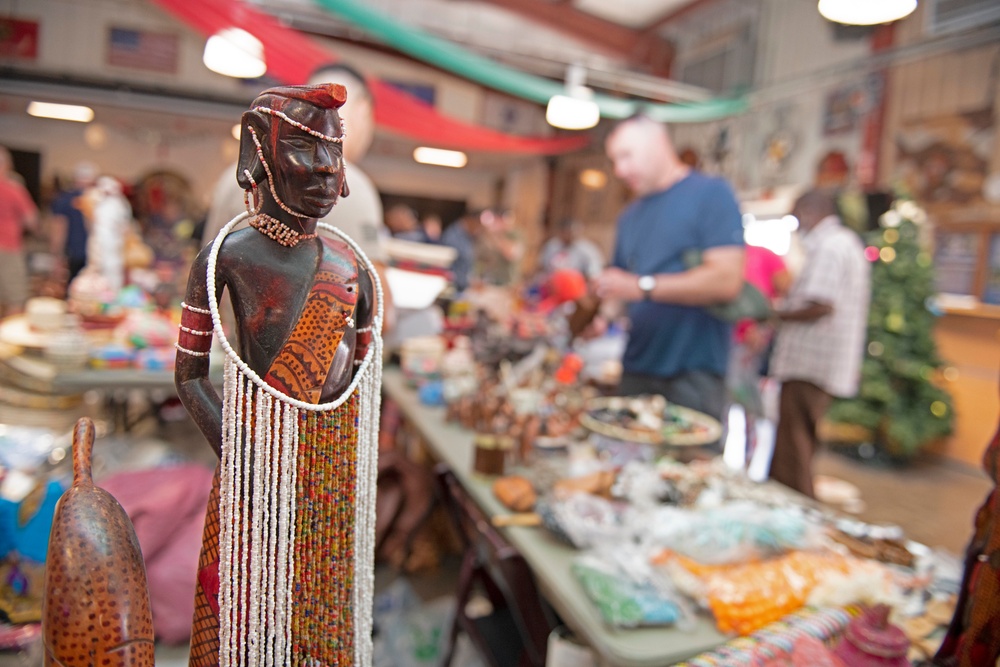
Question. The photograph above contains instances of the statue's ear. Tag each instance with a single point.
(344, 190)
(249, 159)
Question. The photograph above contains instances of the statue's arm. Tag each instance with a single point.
(191, 372)
(364, 313)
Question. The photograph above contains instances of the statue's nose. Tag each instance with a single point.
(327, 158)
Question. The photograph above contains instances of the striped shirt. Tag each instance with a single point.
(827, 351)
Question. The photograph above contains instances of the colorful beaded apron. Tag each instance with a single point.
(285, 575)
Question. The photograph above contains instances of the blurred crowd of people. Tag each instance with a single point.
(702, 310)
(678, 256)
(91, 228)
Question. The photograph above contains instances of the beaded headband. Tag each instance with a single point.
(267, 169)
(291, 121)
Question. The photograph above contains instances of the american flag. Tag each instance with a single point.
(139, 49)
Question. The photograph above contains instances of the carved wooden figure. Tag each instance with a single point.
(285, 574)
(96, 609)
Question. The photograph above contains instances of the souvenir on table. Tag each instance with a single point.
(870, 640)
(746, 597)
(287, 565)
(649, 419)
(734, 532)
(110, 217)
(781, 642)
(621, 601)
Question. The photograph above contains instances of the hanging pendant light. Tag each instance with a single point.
(236, 53)
(865, 12)
(576, 110)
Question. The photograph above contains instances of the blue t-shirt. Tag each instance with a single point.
(654, 233)
(76, 227)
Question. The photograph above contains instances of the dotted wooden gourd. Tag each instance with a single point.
(96, 609)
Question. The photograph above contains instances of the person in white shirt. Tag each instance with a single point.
(821, 338)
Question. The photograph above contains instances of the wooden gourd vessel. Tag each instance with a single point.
(96, 609)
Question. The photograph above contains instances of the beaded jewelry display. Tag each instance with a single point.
(296, 510)
(276, 230)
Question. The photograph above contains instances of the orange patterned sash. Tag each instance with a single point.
(303, 364)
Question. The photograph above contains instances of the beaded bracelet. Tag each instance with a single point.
(190, 352)
(194, 332)
(195, 309)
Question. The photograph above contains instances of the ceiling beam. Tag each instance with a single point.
(643, 49)
(653, 27)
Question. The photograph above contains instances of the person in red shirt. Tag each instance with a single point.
(18, 214)
(766, 271)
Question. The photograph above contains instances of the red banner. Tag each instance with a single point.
(291, 57)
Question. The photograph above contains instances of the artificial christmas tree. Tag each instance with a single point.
(900, 401)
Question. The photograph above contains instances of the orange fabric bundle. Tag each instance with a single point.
(747, 597)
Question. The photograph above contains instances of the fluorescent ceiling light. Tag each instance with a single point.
(236, 53)
(439, 157)
(76, 113)
(865, 12)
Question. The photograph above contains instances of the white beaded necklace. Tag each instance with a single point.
(259, 634)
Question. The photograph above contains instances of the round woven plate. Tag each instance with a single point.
(696, 428)
(16, 331)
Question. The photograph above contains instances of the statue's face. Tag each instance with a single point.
(308, 171)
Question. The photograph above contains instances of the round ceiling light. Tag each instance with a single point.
(236, 53)
(865, 12)
(576, 108)
(572, 113)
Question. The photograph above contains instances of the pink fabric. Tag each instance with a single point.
(760, 268)
(806, 652)
(15, 206)
(167, 508)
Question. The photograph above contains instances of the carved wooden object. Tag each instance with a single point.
(96, 609)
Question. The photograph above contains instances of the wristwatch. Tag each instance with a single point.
(646, 284)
